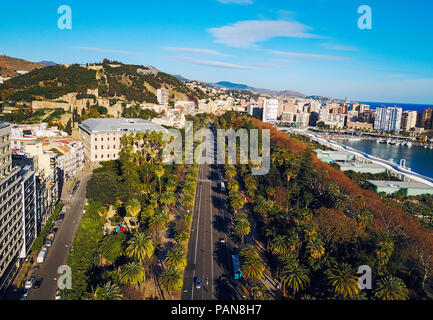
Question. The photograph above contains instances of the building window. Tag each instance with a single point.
(102, 139)
(96, 156)
(102, 156)
(102, 147)
(96, 147)
(96, 139)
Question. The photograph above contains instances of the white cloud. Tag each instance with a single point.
(339, 47)
(107, 50)
(308, 55)
(269, 65)
(216, 64)
(196, 50)
(245, 34)
(236, 1)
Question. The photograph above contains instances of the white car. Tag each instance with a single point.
(30, 282)
(58, 296)
(64, 209)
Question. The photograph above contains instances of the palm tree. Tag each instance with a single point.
(230, 172)
(242, 228)
(343, 280)
(167, 199)
(131, 273)
(159, 172)
(158, 221)
(110, 291)
(237, 201)
(133, 208)
(181, 237)
(295, 276)
(315, 248)
(252, 268)
(249, 252)
(140, 247)
(171, 280)
(279, 245)
(391, 288)
(176, 259)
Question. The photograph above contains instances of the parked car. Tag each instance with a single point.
(36, 267)
(30, 282)
(61, 217)
(42, 254)
(58, 296)
(49, 243)
(64, 209)
(197, 283)
(222, 240)
(26, 293)
(38, 283)
(222, 186)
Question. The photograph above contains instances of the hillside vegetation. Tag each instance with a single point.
(113, 80)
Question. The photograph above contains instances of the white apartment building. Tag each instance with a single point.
(11, 225)
(388, 119)
(102, 137)
(70, 158)
(270, 110)
(163, 96)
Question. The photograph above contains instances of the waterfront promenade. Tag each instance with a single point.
(395, 169)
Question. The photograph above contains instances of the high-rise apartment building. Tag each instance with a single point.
(11, 217)
(427, 119)
(270, 110)
(408, 120)
(388, 119)
(29, 217)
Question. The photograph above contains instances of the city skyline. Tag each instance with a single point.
(278, 45)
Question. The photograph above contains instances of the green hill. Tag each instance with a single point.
(136, 83)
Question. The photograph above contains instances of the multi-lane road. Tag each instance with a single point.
(208, 257)
(59, 251)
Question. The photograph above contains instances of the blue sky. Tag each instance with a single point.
(313, 46)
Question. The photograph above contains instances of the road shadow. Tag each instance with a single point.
(218, 203)
(220, 223)
(224, 289)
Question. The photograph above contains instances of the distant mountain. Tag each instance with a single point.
(48, 63)
(231, 85)
(9, 66)
(238, 86)
(181, 78)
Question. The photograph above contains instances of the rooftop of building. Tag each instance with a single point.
(4, 124)
(320, 151)
(399, 184)
(119, 125)
(360, 164)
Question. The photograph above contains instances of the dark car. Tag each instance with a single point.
(197, 283)
(61, 217)
(38, 283)
(222, 240)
